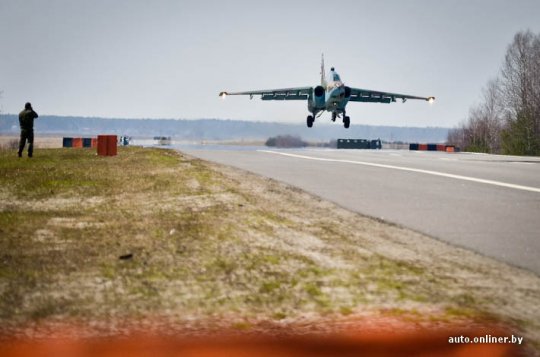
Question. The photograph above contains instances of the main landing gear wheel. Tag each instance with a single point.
(310, 121)
(346, 122)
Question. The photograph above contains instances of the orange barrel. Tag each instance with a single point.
(77, 143)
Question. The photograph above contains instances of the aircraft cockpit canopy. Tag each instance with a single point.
(335, 79)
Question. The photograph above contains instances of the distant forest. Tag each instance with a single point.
(218, 129)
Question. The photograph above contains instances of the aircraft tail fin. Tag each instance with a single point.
(323, 77)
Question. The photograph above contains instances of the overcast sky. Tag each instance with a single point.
(170, 59)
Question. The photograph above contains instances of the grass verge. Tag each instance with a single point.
(155, 233)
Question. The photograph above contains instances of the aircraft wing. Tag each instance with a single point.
(299, 93)
(373, 96)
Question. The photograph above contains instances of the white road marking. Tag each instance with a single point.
(410, 169)
(522, 163)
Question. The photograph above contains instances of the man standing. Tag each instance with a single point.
(26, 121)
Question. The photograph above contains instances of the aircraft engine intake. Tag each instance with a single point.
(318, 97)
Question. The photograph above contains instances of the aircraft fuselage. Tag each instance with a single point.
(335, 99)
(336, 96)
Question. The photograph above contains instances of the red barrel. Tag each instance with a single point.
(106, 145)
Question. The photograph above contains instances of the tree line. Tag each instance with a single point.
(507, 119)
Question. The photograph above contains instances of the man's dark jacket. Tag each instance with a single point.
(26, 119)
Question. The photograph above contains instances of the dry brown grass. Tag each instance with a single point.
(11, 142)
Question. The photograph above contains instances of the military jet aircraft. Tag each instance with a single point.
(331, 95)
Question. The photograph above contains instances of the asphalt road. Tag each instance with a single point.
(487, 203)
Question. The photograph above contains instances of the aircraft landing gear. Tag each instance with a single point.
(346, 122)
(310, 121)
